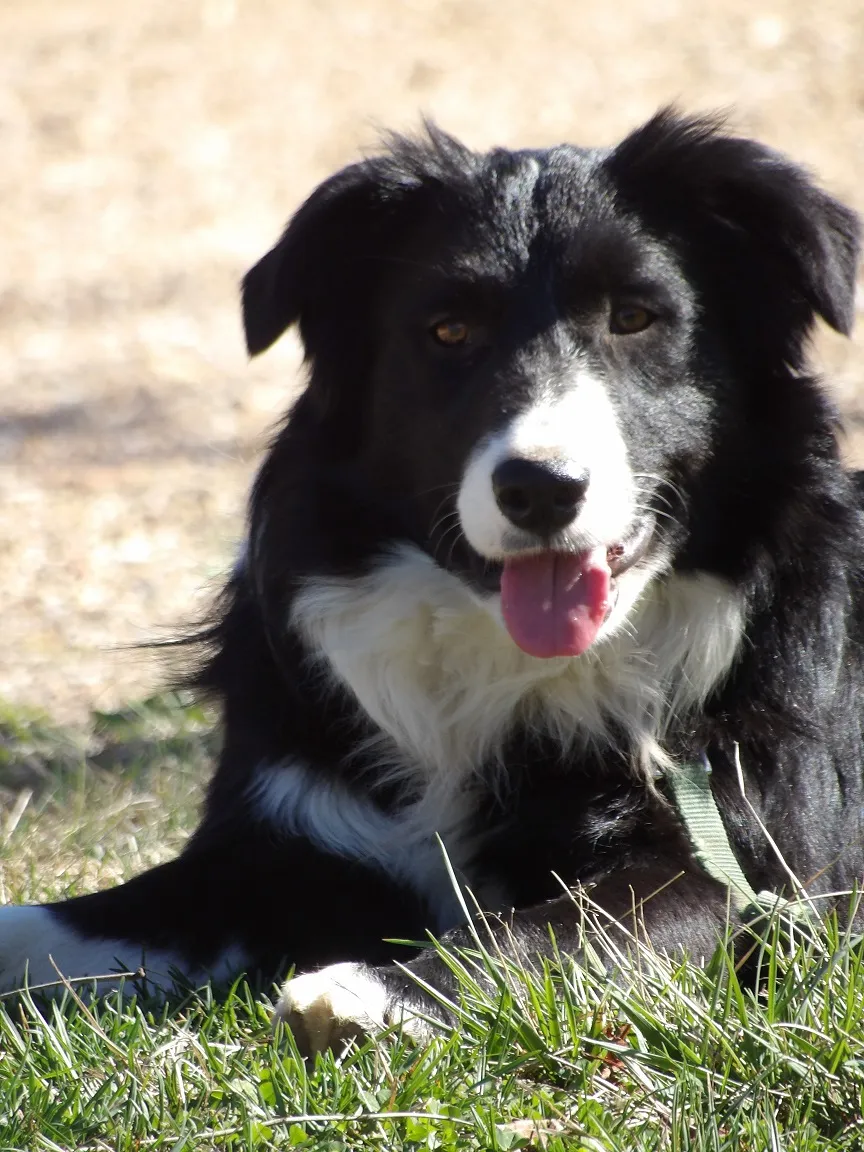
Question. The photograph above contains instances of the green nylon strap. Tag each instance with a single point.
(691, 788)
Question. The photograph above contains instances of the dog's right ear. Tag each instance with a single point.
(331, 230)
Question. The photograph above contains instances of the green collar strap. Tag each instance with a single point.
(690, 785)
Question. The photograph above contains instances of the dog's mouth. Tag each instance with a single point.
(554, 602)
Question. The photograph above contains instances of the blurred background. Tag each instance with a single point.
(151, 151)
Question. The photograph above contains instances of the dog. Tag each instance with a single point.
(559, 511)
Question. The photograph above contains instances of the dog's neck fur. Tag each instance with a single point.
(433, 667)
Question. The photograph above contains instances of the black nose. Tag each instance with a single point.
(538, 497)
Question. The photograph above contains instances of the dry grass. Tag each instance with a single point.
(150, 153)
(85, 810)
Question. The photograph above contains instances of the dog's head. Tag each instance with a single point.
(560, 372)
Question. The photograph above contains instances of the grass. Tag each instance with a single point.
(559, 1058)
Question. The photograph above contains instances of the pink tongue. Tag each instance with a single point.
(554, 604)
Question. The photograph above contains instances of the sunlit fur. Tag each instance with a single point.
(375, 708)
(433, 666)
(579, 433)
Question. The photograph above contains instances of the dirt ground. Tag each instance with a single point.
(150, 153)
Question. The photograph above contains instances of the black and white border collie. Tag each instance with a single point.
(560, 510)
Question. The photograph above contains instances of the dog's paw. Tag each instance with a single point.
(343, 1002)
(326, 1009)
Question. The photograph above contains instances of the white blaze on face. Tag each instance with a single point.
(556, 601)
(579, 432)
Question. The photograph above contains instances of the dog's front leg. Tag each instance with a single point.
(236, 900)
(679, 914)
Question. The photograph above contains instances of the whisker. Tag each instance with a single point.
(445, 532)
(662, 482)
(656, 512)
(456, 540)
(450, 487)
(444, 515)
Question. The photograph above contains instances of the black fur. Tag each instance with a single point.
(735, 252)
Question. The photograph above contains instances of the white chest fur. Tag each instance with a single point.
(435, 669)
(433, 666)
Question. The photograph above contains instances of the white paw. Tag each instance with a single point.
(332, 1006)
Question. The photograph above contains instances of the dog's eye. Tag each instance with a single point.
(450, 333)
(629, 318)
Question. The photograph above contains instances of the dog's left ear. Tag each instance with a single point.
(754, 197)
(328, 234)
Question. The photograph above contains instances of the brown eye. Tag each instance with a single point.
(451, 333)
(629, 318)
